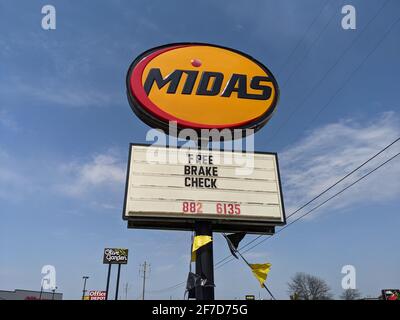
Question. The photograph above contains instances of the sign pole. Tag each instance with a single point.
(84, 286)
(117, 288)
(204, 262)
(108, 280)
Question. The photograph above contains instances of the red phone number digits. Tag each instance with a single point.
(192, 207)
(228, 208)
(221, 208)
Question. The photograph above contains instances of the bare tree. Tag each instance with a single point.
(350, 294)
(307, 287)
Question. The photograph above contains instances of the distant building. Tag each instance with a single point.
(29, 295)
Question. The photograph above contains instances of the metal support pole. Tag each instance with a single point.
(41, 291)
(54, 291)
(84, 286)
(108, 280)
(204, 262)
(144, 279)
(117, 288)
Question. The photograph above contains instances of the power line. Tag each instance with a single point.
(345, 177)
(221, 263)
(176, 286)
(318, 206)
(305, 35)
(303, 215)
(351, 75)
(344, 83)
(323, 192)
(332, 197)
(145, 269)
(248, 264)
(328, 72)
(309, 50)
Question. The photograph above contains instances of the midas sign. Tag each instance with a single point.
(201, 86)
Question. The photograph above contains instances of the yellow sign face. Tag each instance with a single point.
(201, 86)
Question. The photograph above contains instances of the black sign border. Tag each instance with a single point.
(187, 224)
(107, 262)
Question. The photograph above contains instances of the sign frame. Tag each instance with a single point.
(155, 122)
(115, 262)
(188, 224)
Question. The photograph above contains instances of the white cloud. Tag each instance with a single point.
(13, 183)
(99, 180)
(330, 152)
(59, 92)
(104, 205)
(67, 95)
(307, 167)
(7, 121)
(103, 170)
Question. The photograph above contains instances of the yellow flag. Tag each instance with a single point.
(200, 241)
(260, 271)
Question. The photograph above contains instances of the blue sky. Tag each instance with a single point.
(65, 126)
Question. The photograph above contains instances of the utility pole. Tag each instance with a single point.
(84, 286)
(126, 291)
(54, 291)
(117, 287)
(143, 272)
(108, 280)
(41, 290)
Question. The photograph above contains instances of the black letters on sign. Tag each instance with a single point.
(238, 83)
(204, 81)
(155, 76)
(190, 80)
(266, 90)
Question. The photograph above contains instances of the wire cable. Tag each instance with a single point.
(309, 49)
(222, 262)
(323, 192)
(318, 206)
(328, 72)
(351, 75)
(281, 68)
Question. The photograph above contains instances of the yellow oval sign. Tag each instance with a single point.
(201, 86)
